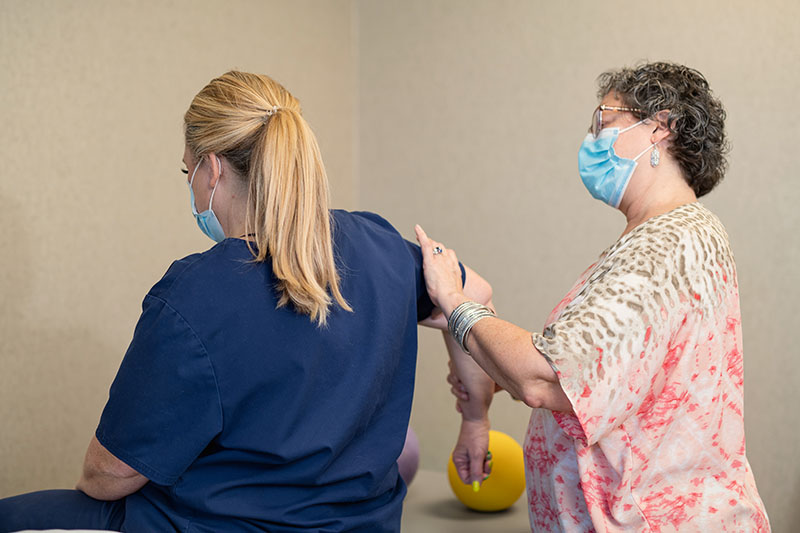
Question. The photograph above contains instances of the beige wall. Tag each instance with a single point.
(93, 207)
(464, 116)
(471, 114)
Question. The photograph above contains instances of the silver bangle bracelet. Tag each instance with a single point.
(463, 318)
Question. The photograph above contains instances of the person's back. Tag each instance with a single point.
(263, 419)
(268, 384)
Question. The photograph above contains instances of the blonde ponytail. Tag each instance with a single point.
(258, 127)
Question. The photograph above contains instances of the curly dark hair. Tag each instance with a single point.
(696, 117)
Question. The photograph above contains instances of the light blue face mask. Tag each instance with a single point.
(605, 174)
(207, 221)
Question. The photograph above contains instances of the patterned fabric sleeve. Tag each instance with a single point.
(608, 345)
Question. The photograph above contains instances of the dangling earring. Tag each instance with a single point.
(655, 157)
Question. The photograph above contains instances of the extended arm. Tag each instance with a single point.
(479, 385)
(469, 454)
(105, 477)
(503, 350)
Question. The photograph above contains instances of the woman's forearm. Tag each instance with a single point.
(479, 386)
(507, 354)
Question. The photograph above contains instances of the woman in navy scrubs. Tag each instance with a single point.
(269, 381)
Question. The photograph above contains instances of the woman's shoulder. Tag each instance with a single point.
(693, 228)
(366, 227)
(689, 224)
(364, 239)
(366, 220)
(692, 217)
(200, 271)
(683, 239)
(685, 245)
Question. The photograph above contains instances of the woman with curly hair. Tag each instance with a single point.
(636, 379)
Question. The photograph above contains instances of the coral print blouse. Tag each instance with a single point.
(648, 347)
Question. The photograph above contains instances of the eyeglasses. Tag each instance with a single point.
(597, 117)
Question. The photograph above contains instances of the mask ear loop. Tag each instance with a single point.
(219, 165)
(644, 151)
(191, 181)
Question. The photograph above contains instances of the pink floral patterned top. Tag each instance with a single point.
(648, 347)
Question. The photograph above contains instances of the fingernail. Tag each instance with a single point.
(486, 477)
(490, 465)
(489, 455)
(476, 486)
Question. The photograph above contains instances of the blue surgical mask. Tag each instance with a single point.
(605, 174)
(207, 221)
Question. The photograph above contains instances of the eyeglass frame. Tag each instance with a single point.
(597, 116)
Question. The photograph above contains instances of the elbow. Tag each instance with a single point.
(532, 394)
(108, 489)
(543, 394)
(105, 477)
(92, 491)
(110, 484)
(90, 485)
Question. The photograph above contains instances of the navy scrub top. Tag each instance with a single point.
(246, 417)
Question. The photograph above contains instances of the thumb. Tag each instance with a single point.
(476, 472)
(422, 237)
(461, 462)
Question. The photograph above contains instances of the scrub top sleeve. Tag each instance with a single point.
(164, 406)
(424, 304)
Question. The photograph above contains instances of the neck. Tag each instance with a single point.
(660, 192)
(232, 216)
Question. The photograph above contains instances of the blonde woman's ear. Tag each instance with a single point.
(215, 168)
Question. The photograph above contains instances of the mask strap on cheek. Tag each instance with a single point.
(191, 180)
(631, 126)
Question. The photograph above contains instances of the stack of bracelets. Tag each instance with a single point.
(463, 318)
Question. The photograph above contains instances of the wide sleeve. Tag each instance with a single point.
(424, 304)
(608, 347)
(164, 406)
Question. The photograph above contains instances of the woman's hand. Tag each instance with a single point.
(470, 455)
(442, 273)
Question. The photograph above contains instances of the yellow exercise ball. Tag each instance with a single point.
(504, 485)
